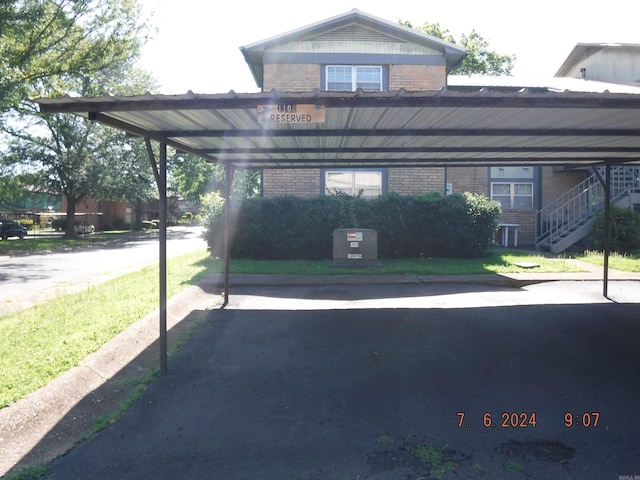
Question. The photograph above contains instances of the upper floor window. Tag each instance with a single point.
(351, 77)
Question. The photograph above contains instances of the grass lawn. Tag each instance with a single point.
(496, 261)
(626, 263)
(40, 343)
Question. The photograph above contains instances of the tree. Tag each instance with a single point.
(192, 177)
(45, 41)
(480, 59)
(76, 157)
(127, 175)
(100, 41)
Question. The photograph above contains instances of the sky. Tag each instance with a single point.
(196, 43)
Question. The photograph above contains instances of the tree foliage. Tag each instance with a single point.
(81, 47)
(44, 42)
(192, 177)
(480, 58)
(624, 234)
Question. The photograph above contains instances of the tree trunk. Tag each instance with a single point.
(137, 214)
(69, 231)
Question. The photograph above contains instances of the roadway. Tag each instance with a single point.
(35, 278)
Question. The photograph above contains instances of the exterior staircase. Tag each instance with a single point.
(570, 217)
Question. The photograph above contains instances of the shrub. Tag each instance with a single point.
(186, 217)
(290, 227)
(625, 231)
(59, 224)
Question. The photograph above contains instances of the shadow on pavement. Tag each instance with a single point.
(385, 394)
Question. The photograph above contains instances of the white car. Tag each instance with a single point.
(84, 227)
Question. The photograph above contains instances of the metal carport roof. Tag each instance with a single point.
(479, 127)
(434, 128)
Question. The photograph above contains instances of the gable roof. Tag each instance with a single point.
(353, 23)
(583, 51)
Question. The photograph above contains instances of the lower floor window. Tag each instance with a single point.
(512, 195)
(366, 183)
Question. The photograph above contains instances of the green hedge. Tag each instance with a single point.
(288, 227)
(625, 231)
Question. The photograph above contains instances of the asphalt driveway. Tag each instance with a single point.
(329, 387)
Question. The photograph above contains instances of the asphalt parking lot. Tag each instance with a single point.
(390, 382)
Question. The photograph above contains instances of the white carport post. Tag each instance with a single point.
(160, 174)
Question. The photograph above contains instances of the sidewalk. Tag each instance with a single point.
(75, 400)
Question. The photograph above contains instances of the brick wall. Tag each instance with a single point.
(305, 77)
(469, 179)
(417, 77)
(416, 181)
(296, 181)
(291, 77)
(555, 184)
(527, 229)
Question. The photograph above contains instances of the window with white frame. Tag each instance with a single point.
(366, 183)
(512, 186)
(351, 77)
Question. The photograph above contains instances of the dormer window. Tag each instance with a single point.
(348, 78)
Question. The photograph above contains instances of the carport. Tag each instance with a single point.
(316, 129)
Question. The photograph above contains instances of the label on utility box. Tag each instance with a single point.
(354, 256)
(354, 236)
(355, 244)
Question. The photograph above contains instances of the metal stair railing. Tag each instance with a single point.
(577, 206)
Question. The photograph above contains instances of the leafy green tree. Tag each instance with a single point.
(76, 157)
(127, 174)
(624, 234)
(43, 42)
(81, 47)
(192, 177)
(480, 58)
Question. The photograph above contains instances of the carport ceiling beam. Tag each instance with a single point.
(435, 161)
(404, 132)
(434, 100)
(283, 150)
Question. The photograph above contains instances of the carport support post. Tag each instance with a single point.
(163, 258)
(160, 174)
(227, 234)
(607, 229)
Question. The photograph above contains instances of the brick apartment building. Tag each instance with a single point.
(359, 51)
